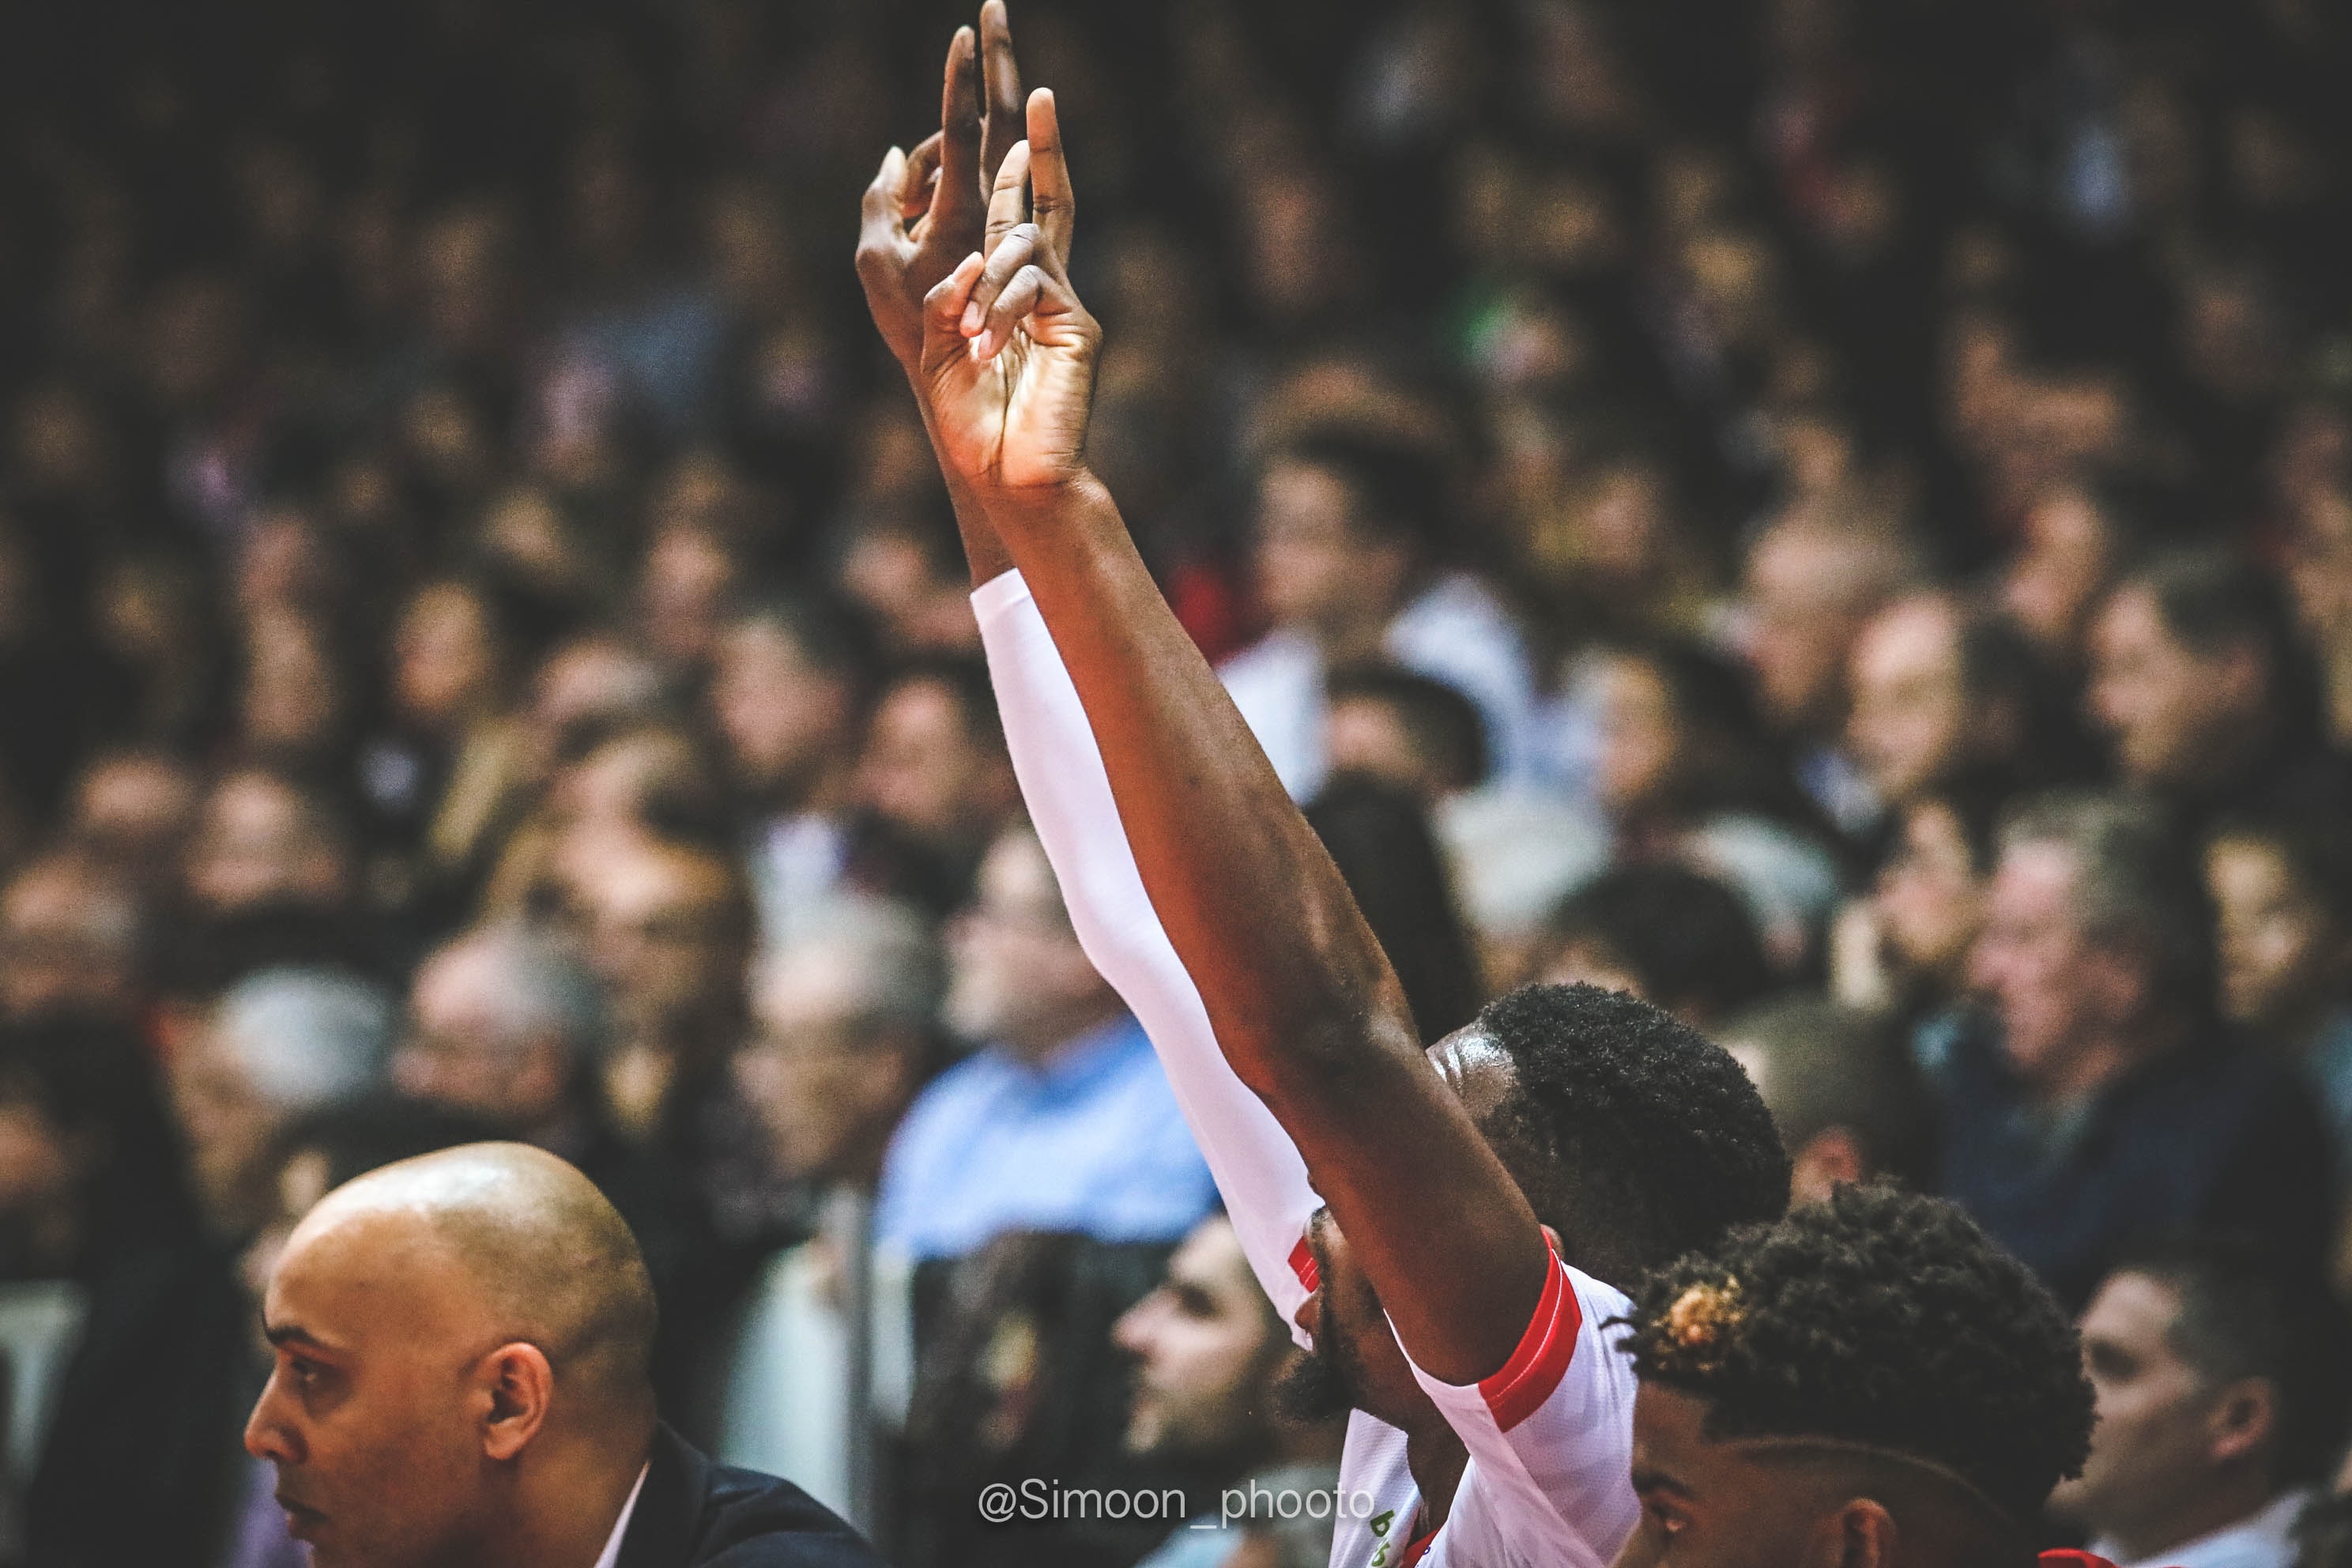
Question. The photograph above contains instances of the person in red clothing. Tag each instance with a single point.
(1869, 1382)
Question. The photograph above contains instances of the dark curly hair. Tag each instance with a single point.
(1632, 1136)
(1882, 1318)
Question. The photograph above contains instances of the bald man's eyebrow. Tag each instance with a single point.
(294, 1334)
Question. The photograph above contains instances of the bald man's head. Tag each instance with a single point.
(550, 1260)
(461, 1339)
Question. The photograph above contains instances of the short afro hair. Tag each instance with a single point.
(1632, 1134)
(1880, 1318)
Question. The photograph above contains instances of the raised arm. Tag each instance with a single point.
(1299, 995)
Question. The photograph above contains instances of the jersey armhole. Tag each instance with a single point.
(1543, 1355)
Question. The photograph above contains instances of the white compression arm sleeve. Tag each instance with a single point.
(1055, 756)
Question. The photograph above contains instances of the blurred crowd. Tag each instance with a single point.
(1834, 517)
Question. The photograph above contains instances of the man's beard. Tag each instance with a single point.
(1318, 1384)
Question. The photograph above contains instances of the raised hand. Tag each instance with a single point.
(1008, 354)
(923, 212)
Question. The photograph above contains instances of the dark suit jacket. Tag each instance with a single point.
(693, 1512)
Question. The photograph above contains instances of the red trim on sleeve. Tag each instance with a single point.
(1419, 1549)
(1302, 1263)
(1535, 1369)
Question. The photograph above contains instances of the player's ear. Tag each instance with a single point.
(1866, 1536)
(516, 1385)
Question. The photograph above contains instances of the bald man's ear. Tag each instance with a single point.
(520, 1385)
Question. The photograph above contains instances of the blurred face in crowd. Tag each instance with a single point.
(1910, 718)
(1930, 901)
(2175, 716)
(229, 1123)
(444, 656)
(465, 1052)
(40, 1169)
(1809, 590)
(1371, 737)
(2054, 582)
(682, 592)
(2165, 1428)
(259, 842)
(782, 718)
(925, 771)
(1017, 973)
(828, 1076)
(662, 929)
(69, 942)
(592, 678)
(2056, 990)
(292, 699)
(1642, 739)
(1316, 569)
(611, 787)
(2285, 958)
(1205, 1343)
(133, 810)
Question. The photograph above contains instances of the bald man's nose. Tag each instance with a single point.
(266, 1436)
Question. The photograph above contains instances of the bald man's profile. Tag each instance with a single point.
(462, 1347)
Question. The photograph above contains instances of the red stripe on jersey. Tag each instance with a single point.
(1419, 1549)
(2073, 1560)
(1535, 1369)
(1302, 1263)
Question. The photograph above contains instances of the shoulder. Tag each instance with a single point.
(751, 1520)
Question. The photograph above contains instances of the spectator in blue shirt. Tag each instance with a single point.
(1063, 1120)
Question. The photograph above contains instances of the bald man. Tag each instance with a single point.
(461, 1377)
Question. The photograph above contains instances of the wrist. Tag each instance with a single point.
(1077, 484)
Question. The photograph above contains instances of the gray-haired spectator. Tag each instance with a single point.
(278, 1045)
(847, 1020)
(2110, 1109)
(505, 1025)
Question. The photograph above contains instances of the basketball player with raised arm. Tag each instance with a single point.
(1450, 1229)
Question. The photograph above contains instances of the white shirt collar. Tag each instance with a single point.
(612, 1552)
(2261, 1539)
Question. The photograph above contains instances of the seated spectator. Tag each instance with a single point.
(2110, 1110)
(665, 924)
(278, 1045)
(935, 777)
(1211, 1353)
(69, 941)
(1062, 1120)
(1382, 843)
(1673, 937)
(789, 693)
(506, 1028)
(1810, 587)
(1906, 949)
(120, 1328)
(1843, 1091)
(1685, 772)
(2282, 892)
(2210, 701)
(1407, 730)
(1346, 552)
(132, 809)
(270, 872)
(1944, 697)
(2219, 1405)
(846, 1026)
